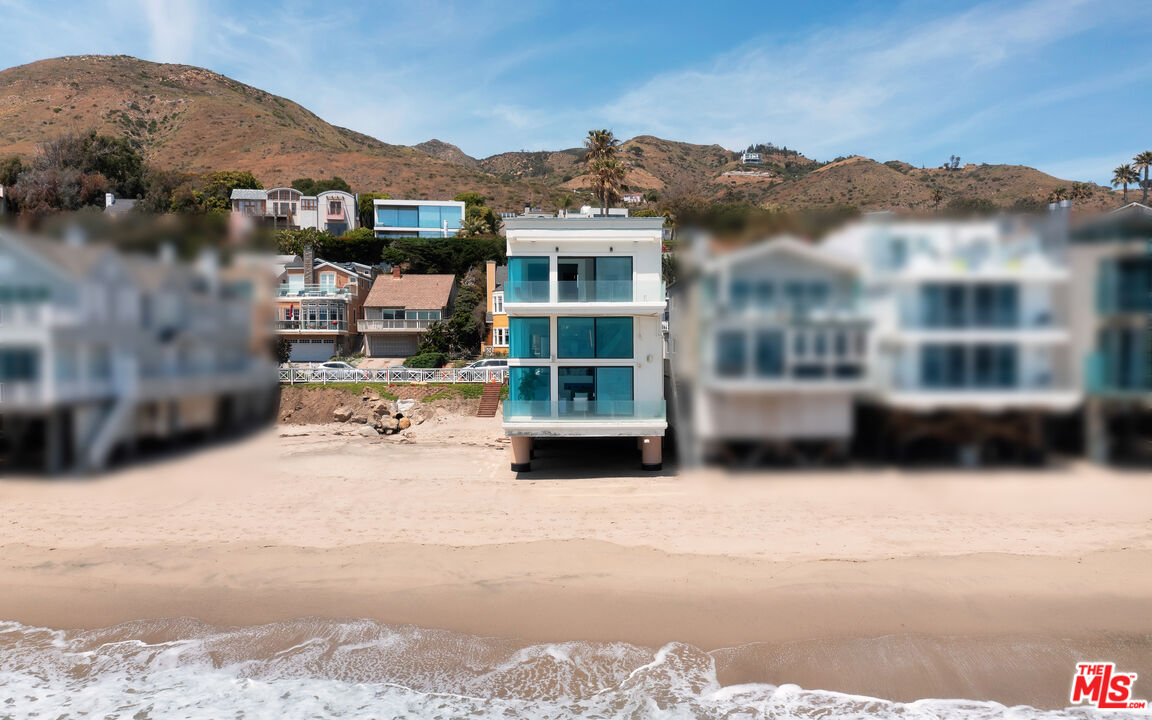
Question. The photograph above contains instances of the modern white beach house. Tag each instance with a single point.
(972, 348)
(417, 218)
(584, 299)
(778, 351)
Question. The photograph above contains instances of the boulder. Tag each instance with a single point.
(368, 431)
(382, 407)
(388, 425)
(359, 417)
(341, 414)
(404, 423)
(370, 394)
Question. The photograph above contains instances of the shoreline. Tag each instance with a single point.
(981, 586)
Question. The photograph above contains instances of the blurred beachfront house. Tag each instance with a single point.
(417, 218)
(332, 211)
(317, 305)
(972, 349)
(495, 317)
(1111, 267)
(399, 309)
(103, 352)
(584, 299)
(777, 350)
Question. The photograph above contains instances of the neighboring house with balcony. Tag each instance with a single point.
(584, 299)
(399, 309)
(332, 211)
(103, 352)
(317, 304)
(776, 351)
(971, 348)
(496, 317)
(417, 218)
(1111, 263)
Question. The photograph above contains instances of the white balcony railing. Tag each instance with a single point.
(393, 375)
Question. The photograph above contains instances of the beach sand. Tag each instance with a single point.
(985, 584)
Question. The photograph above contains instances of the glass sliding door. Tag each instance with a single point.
(527, 279)
(595, 391)
(529, 337)
(594, 279)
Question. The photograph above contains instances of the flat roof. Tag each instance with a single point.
(442, 203)
(585, 223)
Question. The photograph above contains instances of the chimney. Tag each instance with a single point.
(109, 200)
(309, 265)
(396, 272)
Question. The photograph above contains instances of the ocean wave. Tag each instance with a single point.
(318, 668)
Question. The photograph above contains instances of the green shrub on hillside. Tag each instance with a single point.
(426, 360)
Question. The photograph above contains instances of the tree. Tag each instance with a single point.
(601, 149)
(10, 169)
(470, 198)
(1058, 195)
(937, 197)
(365, 210)
(1080, 191)
(479, 219)
(1124, 175)
(281, 349)
(1142, 163)
(308, 186)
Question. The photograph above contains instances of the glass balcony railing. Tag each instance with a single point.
(576, 410)
(372, 324)
(292, 291)
(1103, 373)
(651, 290)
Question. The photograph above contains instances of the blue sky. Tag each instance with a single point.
(1062, 85)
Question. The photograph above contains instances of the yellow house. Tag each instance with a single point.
(496, 320)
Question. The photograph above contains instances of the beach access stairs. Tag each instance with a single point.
(490, 399)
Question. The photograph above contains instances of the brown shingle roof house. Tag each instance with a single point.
(399, 309)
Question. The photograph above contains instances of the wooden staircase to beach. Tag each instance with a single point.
(490, 400)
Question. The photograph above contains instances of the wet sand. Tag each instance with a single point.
(982, 585)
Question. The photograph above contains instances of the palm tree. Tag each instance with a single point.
(1124, 175)
(607, 181)
(607, 172)
(1141, 163)
(1059, 194)
(1080, 191)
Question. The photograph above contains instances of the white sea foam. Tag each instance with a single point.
(333, 669)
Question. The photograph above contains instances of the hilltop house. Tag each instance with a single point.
(399, 309)
(102, 352)
(750, 158)
(496, 318)
(584, 299)
(774, 337)
(332, 211)
(317, 304)
(417, 218)
(1111, 263)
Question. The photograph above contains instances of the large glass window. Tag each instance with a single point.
(19, 365)
(951, 305)
(731, 353)
(529, 384)
(527, 279)
(594, 279)
(994, 366)
(529, 337)
(995, 306)
(429, 216)
(770, 353)
(606, 337)
(953, 366)
(609, 388)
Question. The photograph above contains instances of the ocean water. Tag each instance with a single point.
(318, 668)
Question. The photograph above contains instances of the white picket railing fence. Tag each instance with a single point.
(393, 375)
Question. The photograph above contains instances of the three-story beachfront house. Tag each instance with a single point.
(972, 346)
(584, 299)
(417, 218)
(332, 211)
(317, 304)
(400, 308)
(777, 351)
(1111, 262)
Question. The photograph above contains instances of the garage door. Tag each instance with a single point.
(392, 345)
(312, 350)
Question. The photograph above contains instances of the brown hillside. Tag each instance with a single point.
(193, 119)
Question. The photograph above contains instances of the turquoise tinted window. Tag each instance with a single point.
(527, 279)
(529, 384)
(613, 279)
(386, 216)
(528, 337)
(453, 215)
(614, 337)
(429, 216)
(407, 217)
(613, 384)
(575, 337)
